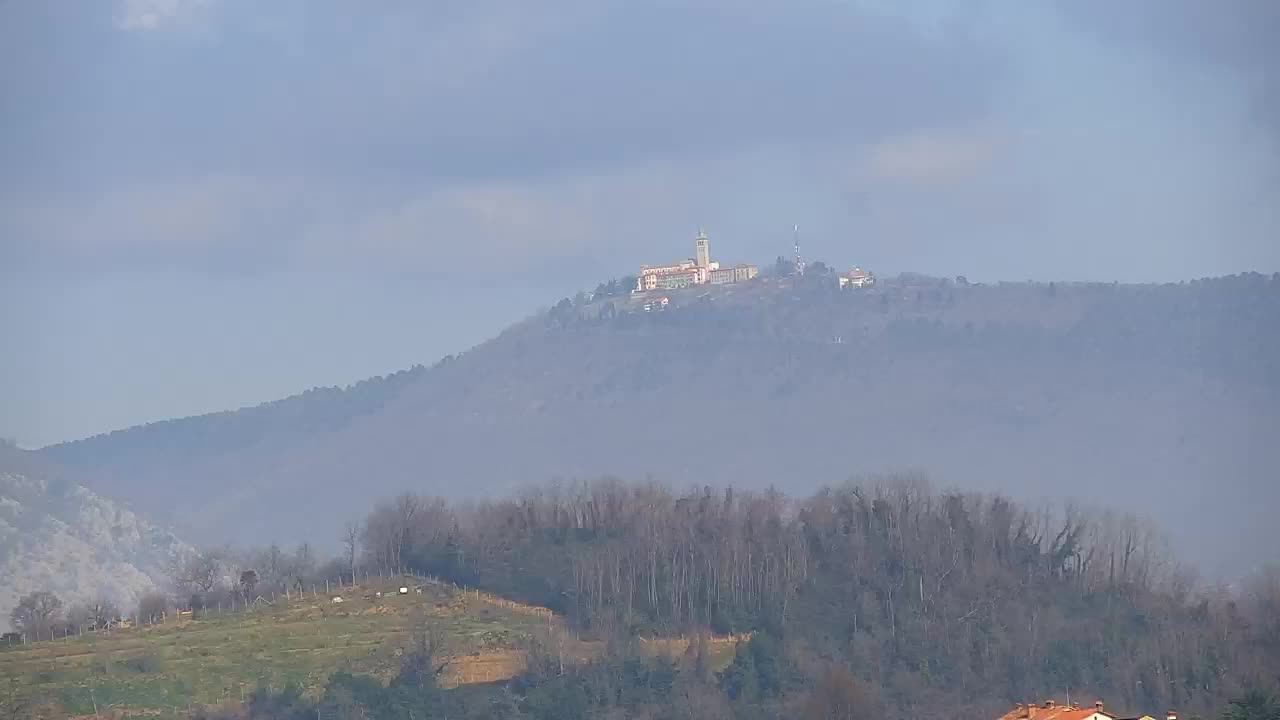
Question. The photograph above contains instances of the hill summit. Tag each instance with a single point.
(1105, 393)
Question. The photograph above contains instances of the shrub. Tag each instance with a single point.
(146, 664)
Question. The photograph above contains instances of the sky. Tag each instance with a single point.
(206, 204)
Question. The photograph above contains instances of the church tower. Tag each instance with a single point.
(704, 250)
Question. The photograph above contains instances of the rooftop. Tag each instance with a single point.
(1049, 710)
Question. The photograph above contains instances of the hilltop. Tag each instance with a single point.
(1105, 393)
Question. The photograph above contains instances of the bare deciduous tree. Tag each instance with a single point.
(351, 543)
(95, 614)
(840, 696)
(152, 607)
(198, 572)
(37, 613)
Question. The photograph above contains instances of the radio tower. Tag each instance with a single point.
(799, 261)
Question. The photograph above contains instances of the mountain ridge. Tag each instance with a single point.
(1104, 393)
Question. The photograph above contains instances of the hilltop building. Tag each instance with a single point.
(1050, 710)
(698, 270)
(857, 278)
(657, 304)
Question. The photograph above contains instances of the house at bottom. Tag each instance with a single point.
(1050, 710)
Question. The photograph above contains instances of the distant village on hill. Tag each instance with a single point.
(653, 281)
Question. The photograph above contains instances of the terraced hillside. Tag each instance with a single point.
(171, 666)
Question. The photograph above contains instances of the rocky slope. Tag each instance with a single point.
(59, 536)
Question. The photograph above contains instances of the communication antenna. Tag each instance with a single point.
(799, 261)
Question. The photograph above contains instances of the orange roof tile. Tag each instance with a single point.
(1055, 712)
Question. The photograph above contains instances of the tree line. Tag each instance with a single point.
(926, 596)
(879, 598)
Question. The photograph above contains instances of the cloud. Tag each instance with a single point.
(195, 222)
(144, 15)
(929, 158)
(305, 132)
(585, 134)
(255, 223)
(570, 225)
(1238, 39)
(505, 230)
(485, 90)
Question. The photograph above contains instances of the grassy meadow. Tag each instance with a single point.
(213, 658)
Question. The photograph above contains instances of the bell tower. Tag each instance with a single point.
(703, 255)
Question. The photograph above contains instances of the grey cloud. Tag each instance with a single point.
(578, 138)
(211, 220)
(160, 14)
(930, 158)
(497, 89)
(1239, 33)
(398, 133)
(1239, 37)
(580, 225)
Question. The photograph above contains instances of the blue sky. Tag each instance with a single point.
(212, 203)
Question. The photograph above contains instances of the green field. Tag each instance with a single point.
(210, 659)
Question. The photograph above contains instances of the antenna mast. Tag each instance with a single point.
(799, 261)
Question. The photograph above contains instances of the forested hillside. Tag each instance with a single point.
(1109, 394)
(876, 599)
(932, 602)
(879, 599)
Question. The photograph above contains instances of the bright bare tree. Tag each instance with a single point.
(351, 541)
(198, 572)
